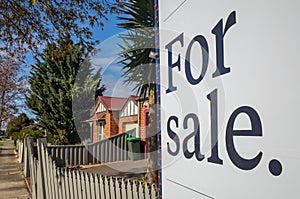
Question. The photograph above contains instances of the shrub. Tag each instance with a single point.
(59, 138)
(26, 133)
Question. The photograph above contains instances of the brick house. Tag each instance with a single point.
(114, 115)
(105, 121)
(129, 115)
(135, 114)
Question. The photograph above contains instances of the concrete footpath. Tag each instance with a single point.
(12, 184)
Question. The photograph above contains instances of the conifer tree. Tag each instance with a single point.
(52, 87)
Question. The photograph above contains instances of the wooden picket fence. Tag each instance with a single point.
(48, 181)
(108, 150)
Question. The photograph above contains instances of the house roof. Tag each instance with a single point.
(96, 116)
(134, 98)
(112, 103)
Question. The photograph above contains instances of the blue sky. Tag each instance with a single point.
(108, 58)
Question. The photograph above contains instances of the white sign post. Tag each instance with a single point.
(230, 94)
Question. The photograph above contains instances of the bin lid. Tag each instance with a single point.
(133, 139)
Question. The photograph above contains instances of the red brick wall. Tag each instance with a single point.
(144, 109)
(95, 131)
(124, 120)
(112, 121)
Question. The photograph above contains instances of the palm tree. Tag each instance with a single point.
(139, 67)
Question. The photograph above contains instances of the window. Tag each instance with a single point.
(101, 125)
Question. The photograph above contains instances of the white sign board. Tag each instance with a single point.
(230, 95)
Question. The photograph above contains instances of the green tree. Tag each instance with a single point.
(139, 65)
(17, 123)
(52, 87)
(25, 25)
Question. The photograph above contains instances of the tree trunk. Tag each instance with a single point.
(152, 141)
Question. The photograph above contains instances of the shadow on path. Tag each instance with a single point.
(6, 148)
(7, 155)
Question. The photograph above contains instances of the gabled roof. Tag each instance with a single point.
(133, 98)
(112, 103)
(96, 116)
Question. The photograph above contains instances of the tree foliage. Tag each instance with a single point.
(52, 87)
(35, 134)
(28, 24)
(16, 124)
(139, 65)
(12, 88)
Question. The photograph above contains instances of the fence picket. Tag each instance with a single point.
(97, 187)
(62, 183)
(153, 192)
(26, 159)
(107, 157)
(33, 177)
(135, 190)
(118, 189)
(83, 181)
(79, 190)
(102, 157)
(74, 156)
(54, 173)
(123, 189)
(74, 185)
(102, 187)
(92, 186)
(49, 177)
(98, 153)
(39, 180)
(59, 183)
(141, 191)
(71, 156)
(112, 189)
(129, 190)
(106, 187)
(67, 185)
(147, 191)
(94, 152)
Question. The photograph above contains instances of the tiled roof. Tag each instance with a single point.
(113, 103)
(96, 116)
(134, 98)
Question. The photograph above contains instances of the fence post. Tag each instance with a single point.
(41, 176)
(21, 157)
(32, 166)
(26, 159)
